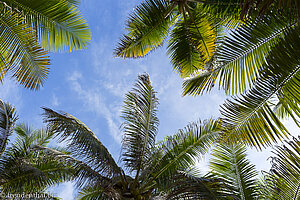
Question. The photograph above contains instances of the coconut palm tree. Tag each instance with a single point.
(29, 29)
(194, 28)
(27, 170)
(149, 170)
(261, 53)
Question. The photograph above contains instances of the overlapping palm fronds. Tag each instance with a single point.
(27, 170)
(151, 167)
(193, 28)
(229, 163)
(29, 28)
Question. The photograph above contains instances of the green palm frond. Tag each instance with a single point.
(140, 125)
(8, 117)
(30, 174)
(20, 52)
(192, 43)
(83, 143)
(250, 118)
(84, 174)
(283, 180)
(58, 23)
(148, 27)
(240, 57)
(229, 163)
(187, 186)
(180, 150)
(289, 8)
(98, 192)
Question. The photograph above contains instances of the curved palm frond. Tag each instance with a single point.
(229, 163)
(192, 43)
(180, 151)
(83, 143)
(8, 117)
(31, 174)
(140, 125)
(84, 174)
(240, 57)
(20, 52)
(250, 118)
(148, 27)
(187, 186)
(283, 180)
(288, 8)
(59, 25)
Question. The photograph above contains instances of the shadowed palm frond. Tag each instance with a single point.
(180, 151)
(187, 186)
(83, 143)
(148, 27)
(58, 23)
(289, 8)
(140, 125)
(283, 180)
(8, 117)
(229, 163)
(239, 57)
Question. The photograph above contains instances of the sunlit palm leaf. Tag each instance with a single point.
(140, 125)
(229, 163)
(20, 52)
(83, 143)
(250, 118)
(58, 23)
(8, 117)
(240, 57)
(148, 27)
(192, 43)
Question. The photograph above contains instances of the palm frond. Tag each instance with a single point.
(140, 125)
(31, 174)
(192, 43)
(59, 25)
(250, 118)
(8, 117)
(229, 163)
(20, 52)
(283, 178)
(82, 142)
(187, 186)
(84, 174)
(239, 57)
(180, 150)
(148, 27)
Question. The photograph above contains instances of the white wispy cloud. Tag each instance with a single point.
(94, 101)
(55, 101)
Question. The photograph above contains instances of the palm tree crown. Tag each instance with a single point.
(152, 168)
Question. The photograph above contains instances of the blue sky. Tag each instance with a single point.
(91, 84)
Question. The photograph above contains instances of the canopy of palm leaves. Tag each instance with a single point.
(149, 170)
(29, 28)
(193, 29)
(26, 168)
(257, 60)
